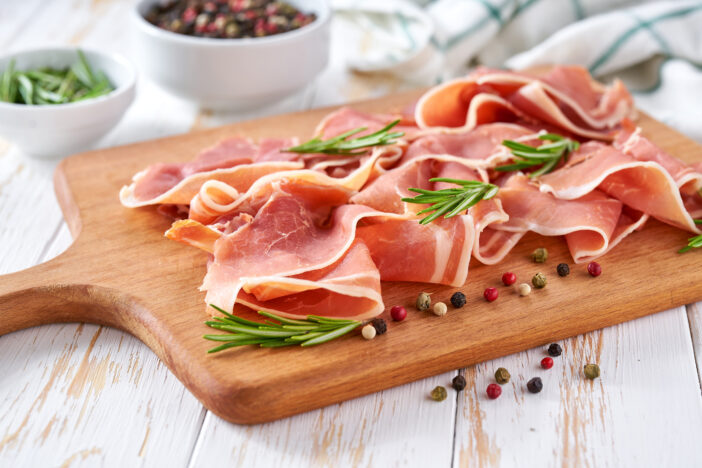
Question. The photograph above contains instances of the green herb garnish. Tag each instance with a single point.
(311, 331)
(53, 86)
(450, 202)
(693, 242)
(547, 156)
(343, 145)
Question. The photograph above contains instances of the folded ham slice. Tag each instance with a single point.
(592, 224)
(566, 97)
(642, 185)
(217, 198)
(235, 161)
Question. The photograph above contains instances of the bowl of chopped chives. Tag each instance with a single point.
(57, 101)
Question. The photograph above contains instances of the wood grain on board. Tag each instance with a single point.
(121, 272)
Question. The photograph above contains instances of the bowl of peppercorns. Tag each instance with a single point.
(232, 54)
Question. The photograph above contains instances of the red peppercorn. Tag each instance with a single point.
(189, 15)
(490, 294)
(398, 313)
(547, 363)
(494, 391)
(594, 269)
(509, 278)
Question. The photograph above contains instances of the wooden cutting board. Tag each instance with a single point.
(121, 272)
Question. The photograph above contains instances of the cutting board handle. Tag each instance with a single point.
(44, 294)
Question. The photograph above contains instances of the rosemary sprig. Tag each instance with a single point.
(343, 145)
(693, 242)
(450, 202)
(53, 86)
(311, 331)
(547, 156)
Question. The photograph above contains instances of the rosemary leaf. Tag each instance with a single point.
(452, 201)
(344, 145)
(547, 155)
(277, 332)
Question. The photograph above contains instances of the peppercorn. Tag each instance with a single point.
(502, 376)
(509, 278)
(458, 299)
(547, 363)
(458, 383)
(594, 269)
(423, 301)
(439, 393)
(493, 391)
(540, 255)
(379, 325)
(524, 289)
(563, 269)
(368, 332)
(440, 309)
(554, 350)
(539, 280)
(592, 371)
(398, 313)
(490, 294)
(535, 385)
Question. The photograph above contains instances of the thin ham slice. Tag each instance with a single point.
(592, 224)
(217, 198)
(566, 97)
(235, 161)
(346, 118)
(642, 185)
(482, 144)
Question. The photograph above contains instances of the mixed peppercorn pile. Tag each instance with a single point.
(228, 19)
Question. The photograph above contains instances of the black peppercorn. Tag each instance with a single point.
(535, 385)
(379, 325)
(458, 299)
(562, 269)
(555, 350)
(458, 383)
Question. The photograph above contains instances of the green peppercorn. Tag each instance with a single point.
(502, 376)
(458, 383)
(439, 393)
(539, 280)
(592, 371)
(423, 301)
(540, 255)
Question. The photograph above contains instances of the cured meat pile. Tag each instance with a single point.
(299, 234)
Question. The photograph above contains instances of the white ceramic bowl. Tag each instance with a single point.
(233, 73)
(61, 129)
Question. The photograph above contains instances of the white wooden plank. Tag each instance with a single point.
(694, 316)
(643, 411)
(83, 394)
(397, 427)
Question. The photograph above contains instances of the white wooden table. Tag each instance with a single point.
(83, 395)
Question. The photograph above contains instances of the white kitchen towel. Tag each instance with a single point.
(656, 47)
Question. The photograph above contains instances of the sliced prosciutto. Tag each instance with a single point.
(566, 97)
(642, 185)
(346, 118)
(237, 162)
(217, 198)
(592, 224)
(482, 145)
